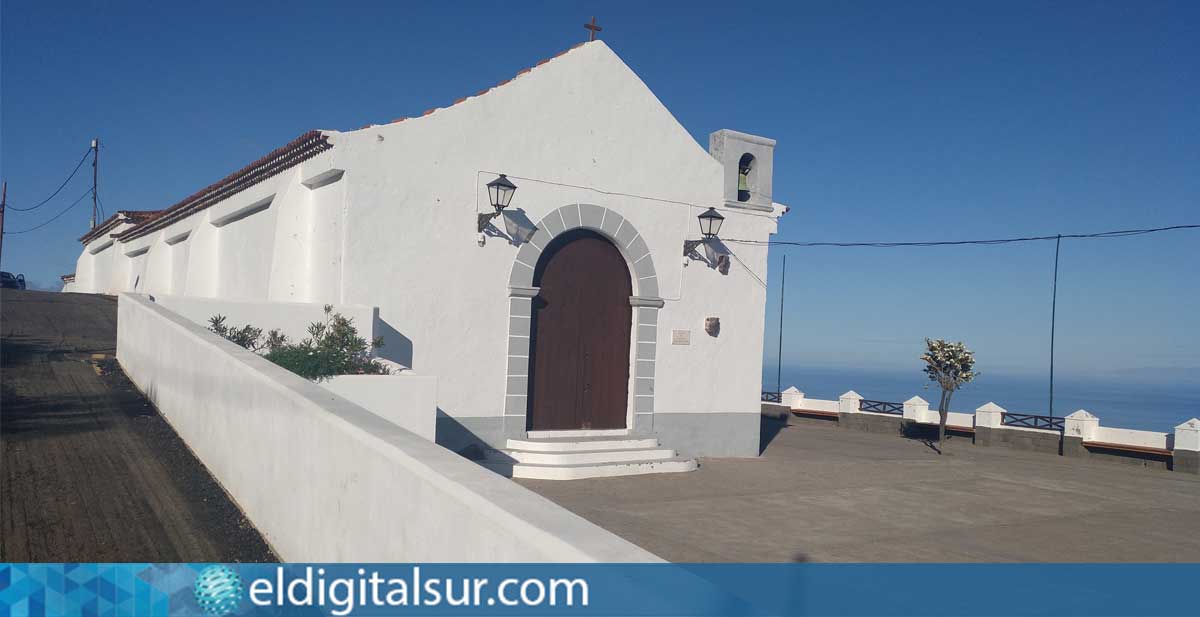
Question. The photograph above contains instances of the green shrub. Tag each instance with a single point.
(247, 336)
(333, 347)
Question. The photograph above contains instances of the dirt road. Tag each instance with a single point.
(89, 471)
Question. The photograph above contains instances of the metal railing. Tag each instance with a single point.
(896, 409)
(772, 397)
(1027, 420)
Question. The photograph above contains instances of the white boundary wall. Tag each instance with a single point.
(919, 411)
(403, 399)
(325, 480)
(1130, 437)
(291, 318)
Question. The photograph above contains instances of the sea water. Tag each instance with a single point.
(1119, 403)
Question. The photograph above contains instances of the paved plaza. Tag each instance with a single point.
(822, 493)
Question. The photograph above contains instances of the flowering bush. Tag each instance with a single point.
(333, 347)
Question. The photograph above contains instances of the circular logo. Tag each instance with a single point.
(218, 590)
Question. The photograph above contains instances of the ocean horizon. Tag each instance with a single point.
(1118, 402)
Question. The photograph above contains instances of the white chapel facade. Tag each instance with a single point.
(589, 304)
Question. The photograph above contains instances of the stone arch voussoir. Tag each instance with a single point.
(646, 303)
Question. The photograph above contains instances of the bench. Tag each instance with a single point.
(1102, 445)
(814, 412)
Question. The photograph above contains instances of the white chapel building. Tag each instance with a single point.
(591, 305)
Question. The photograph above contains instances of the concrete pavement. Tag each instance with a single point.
(821, 493)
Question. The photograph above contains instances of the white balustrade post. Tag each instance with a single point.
(1077, 428)
(1081, 424)
(916, 409)
(1186, 451)
(793, 398)
(848, 402)
(990, 415)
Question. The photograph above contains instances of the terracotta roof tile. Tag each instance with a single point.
(120, 216)
(291, 154)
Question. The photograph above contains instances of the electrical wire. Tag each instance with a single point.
(53, 218)
(615, 193)
(761, 282)
(56, 192)
(1105, 234)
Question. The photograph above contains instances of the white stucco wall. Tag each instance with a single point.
(414, 187)
(325, 480)
(244, 250)
(387, 218)
(406, 400)
(1125, 436)
(290, 318)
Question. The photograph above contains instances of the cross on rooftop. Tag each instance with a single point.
(593, 27)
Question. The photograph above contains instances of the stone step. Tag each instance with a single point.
(578, 444)
(590, 456)
(602, 470)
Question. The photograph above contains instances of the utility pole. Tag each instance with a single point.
(779, 358)
(3, 203)
(1053, 319)
(95, 174)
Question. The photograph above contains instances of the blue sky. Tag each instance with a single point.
(895, 121)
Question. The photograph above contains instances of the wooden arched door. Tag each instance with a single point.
(579, 351)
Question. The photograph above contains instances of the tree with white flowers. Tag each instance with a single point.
(950, 365)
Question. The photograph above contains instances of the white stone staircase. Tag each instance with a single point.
(562, 456)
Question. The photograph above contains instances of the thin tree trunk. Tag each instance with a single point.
(944, 414)
(943, 405)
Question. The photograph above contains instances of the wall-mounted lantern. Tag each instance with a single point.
(710, 223)
(500, 193)
(714, 251)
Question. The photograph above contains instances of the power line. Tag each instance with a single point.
(60, 187)
(53, 218)
(1105, 234)
(1057, 250)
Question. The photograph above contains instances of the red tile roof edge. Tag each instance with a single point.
(275, 162)
(96, 231)
(134, 216)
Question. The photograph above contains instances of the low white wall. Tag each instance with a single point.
(815, 404)
(963, 420)
(1130, 437)
(990, 416)
(324, 479)
(291, 318)
(404, 399)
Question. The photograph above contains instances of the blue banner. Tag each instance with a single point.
(218, 590)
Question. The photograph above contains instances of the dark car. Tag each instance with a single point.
(8, 281)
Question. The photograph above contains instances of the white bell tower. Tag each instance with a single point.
(748, 161)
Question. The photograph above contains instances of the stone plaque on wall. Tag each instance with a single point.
(681, 337)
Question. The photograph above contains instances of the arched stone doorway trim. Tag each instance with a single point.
(645, 302)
